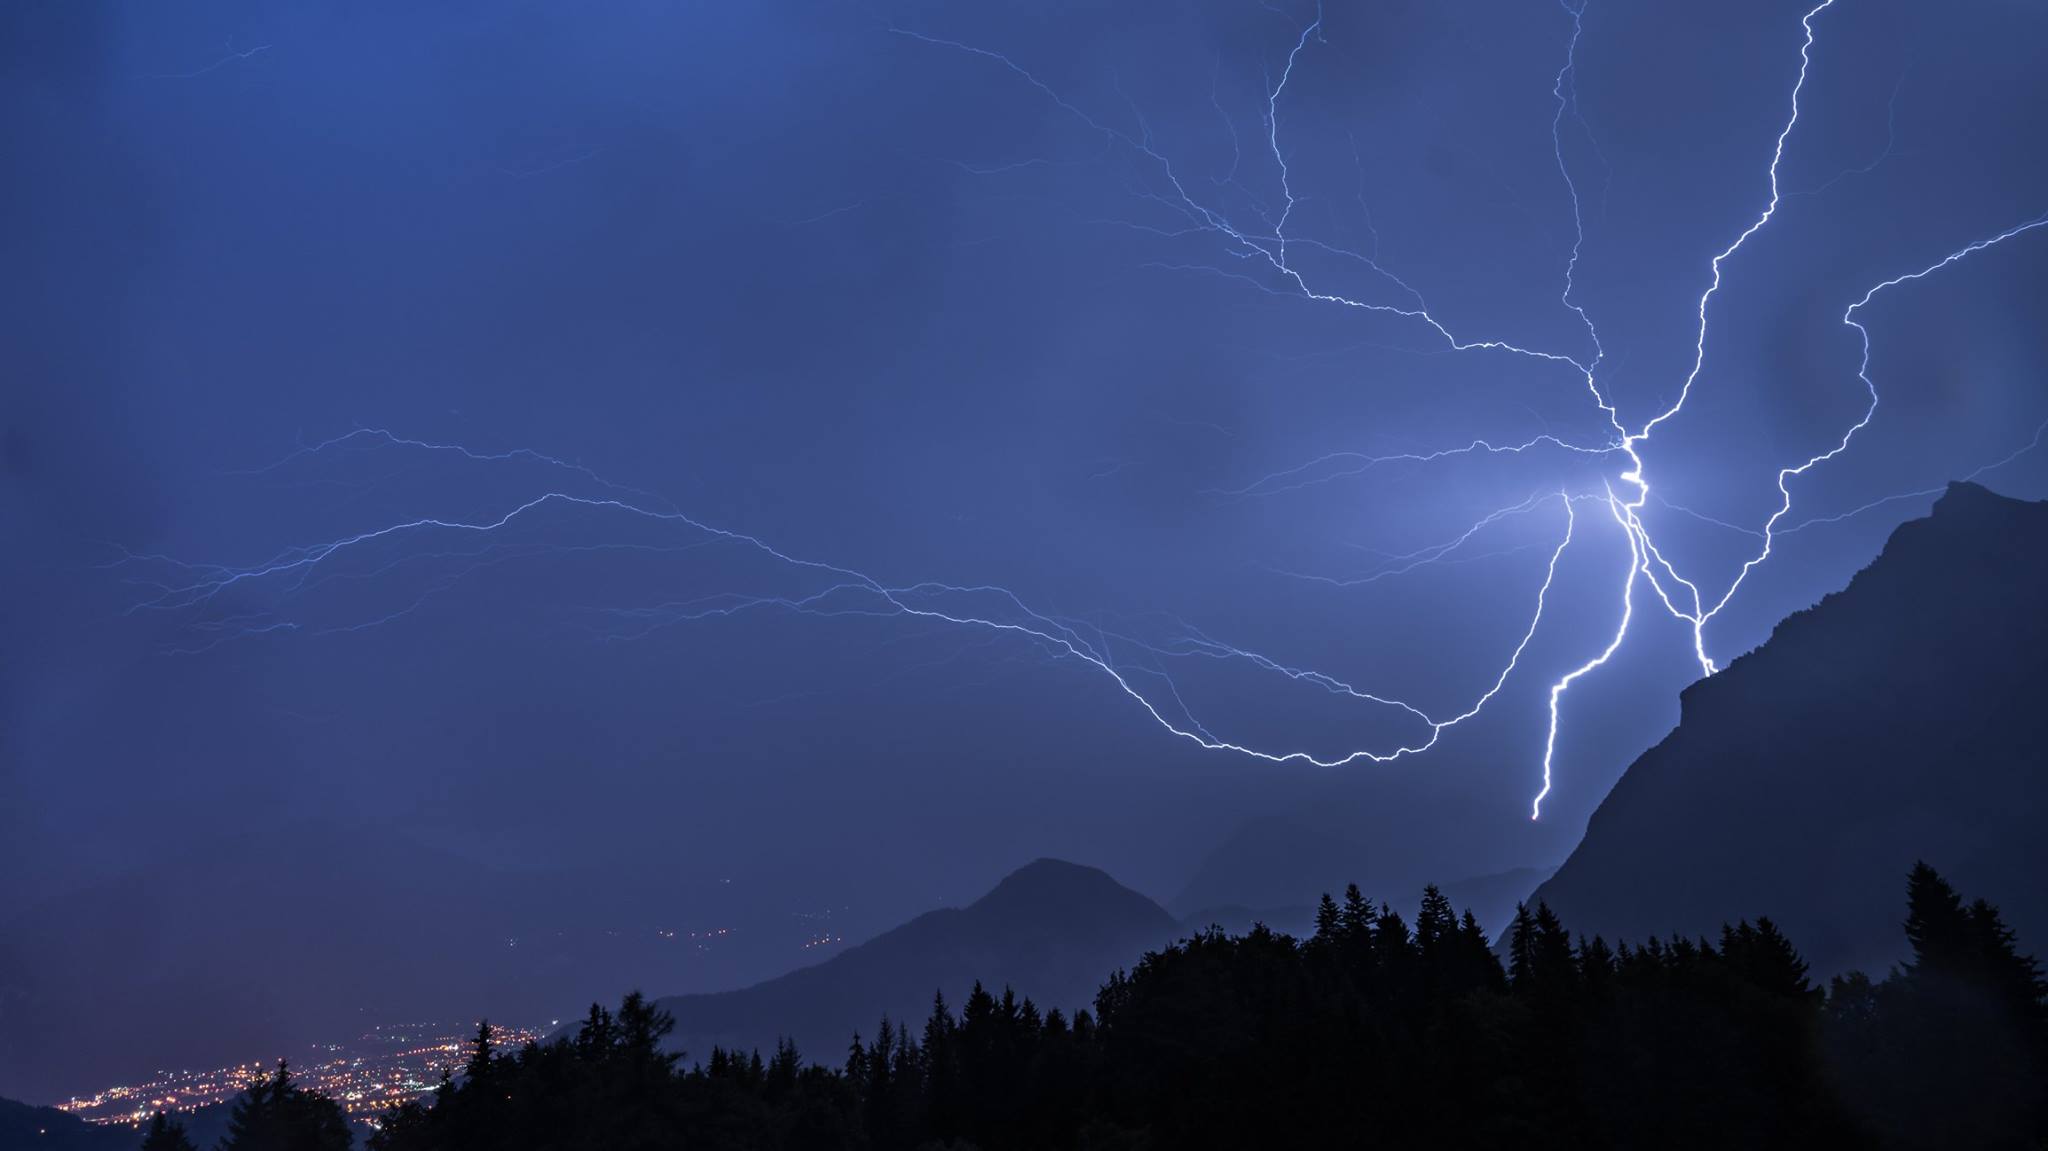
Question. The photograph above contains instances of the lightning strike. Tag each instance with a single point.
(1261, 256)
(848, 592)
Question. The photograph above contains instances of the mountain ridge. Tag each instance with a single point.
(1897, 718)
(1052, 930)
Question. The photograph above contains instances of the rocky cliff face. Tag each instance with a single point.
(1901, 718)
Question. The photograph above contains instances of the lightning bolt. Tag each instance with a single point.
(846, 591)
(1644, 555)
(217, 65)
(1260, 256)
(2040, 431)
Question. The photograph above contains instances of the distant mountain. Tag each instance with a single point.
(1492, 898)
(27, 1127)
(24, 1127)
(1051, 930)
(1383, 831)
(259, 945)
(1271, 861)
(196, 980)
(1902, 718)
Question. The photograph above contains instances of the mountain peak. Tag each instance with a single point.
(1046, 871)
(1965, 492)
(1895, 720)
(1971, 502)
(1050, 930)
(1049, 889)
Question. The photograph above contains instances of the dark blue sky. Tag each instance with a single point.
(913, 290)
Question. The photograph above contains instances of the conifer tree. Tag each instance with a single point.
(1937, 926)
(1326, 922)
(2013, 978)
(1522, 948)
(1435, 922)
(165, 1134)
(276, 1114)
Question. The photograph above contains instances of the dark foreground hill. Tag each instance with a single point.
(24, 1127)
(1905, 717)
(1051, 930)
(1369, 1033)
(27, 1127)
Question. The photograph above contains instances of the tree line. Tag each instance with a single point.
(1371, 1032)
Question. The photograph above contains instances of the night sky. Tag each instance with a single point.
(1004, 309)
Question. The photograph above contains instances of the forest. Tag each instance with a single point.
(1371, 1032)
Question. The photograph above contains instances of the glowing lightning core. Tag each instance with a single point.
(1265, 250)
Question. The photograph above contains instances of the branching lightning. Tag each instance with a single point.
(1258, 255)
(845, 592)
(231, 58)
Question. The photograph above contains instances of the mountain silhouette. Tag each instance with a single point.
(24, 1127)
(1901, 718)
(1051, 930)
(268, 964)
(1271, 861)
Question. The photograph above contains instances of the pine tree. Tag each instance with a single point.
(879, 1058)
(783, 1069)
(642, 1025)
(1355, 921)
(942, 1071)
(165, 1135)
(1596, 965)
(2013, 978)
(1393, 953)
(1937, 926)
(856, 1069)
(1763, 956)
(877, 1088)
(1436, 938)
(478, 1068)
(276, 1114)
(1476, 965)
(1556, 960)
(1435, 922)
(1326, 922)
(597, 1034)
(1522, 948)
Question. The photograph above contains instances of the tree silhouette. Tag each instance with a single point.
(165, 1135)
(1263, 1040)
(1952, 1048)
(276, 1114)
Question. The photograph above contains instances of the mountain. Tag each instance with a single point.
(24, 1127)
(263, 944)
(1051, 930)
(1269, 861)
(1492, 898)
(1901, 718)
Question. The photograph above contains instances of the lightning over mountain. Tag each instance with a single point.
(1597, 483)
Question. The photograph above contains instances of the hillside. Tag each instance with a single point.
(359, 926)
(24, 1127)
(1051, 930)
(1898, 719)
